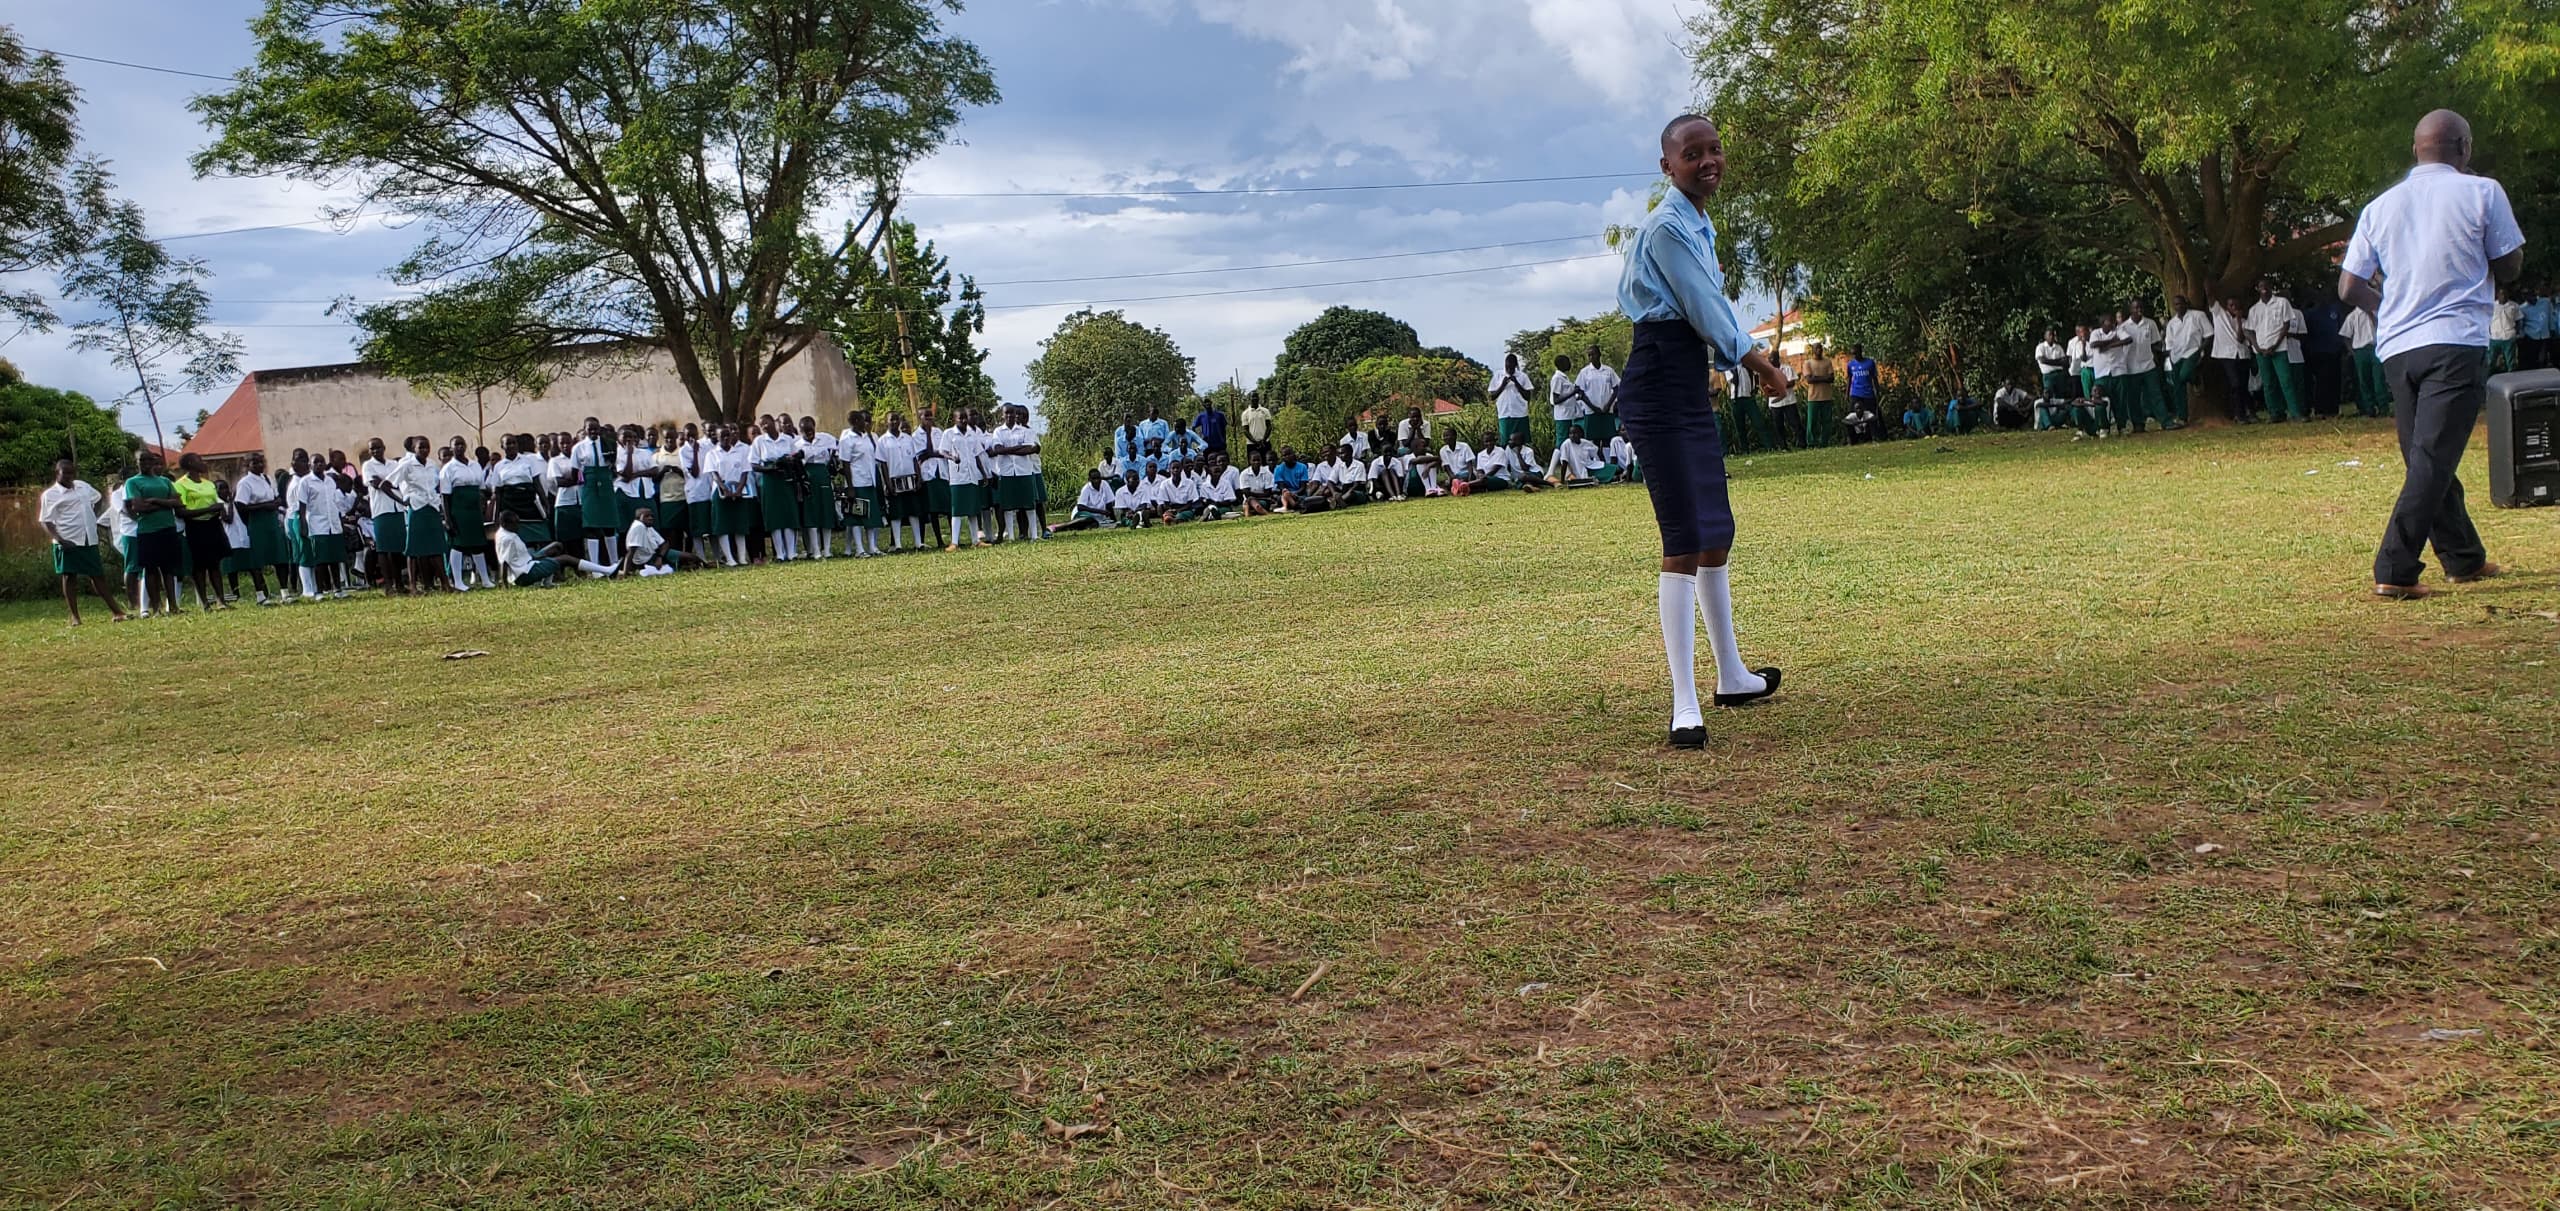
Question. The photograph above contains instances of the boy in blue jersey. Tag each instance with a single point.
(1674, 291)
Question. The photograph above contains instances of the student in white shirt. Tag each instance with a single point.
(2506, 326)
(778, 483)
(1510, 392)
(2373, 395)
(646, 551)
(933, 469)
(1565, 402)
(2083, 366)
(465, 486)
(819, 517)
(1093, 506)
(1014, 451)
(2142, 368)
(1576, 459)
(735, 513)
(1223, 488)
(858, 456)
(413, 483)
(2271, 326)
(1457, 461)
(902, 484)
(2110, 354)
(2188, 333)
(382, 508)
(69, 512)
(965, 462)
(2053, 366)
(1527, 468)
(1259, 486)
(568, 516)
(526, 567)
(599, 498)
(1129, 503)
(2230, 351)
(1599, 386)
(1622, 461)
(314, 514)
(258, 510)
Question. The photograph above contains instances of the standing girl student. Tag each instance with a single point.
(1011, 448)
(515, 486)
(203, 511)
(259, 508)
(382, 508)
(119, 527)
(1673, 289)
(859, 453)
(818, 513)
(777, 459)
(599, 500)
(151, 502)
(1510, 392)
(319, 510)
(701, 491)
(464, 485)
(902, 483)
(671, 466)
(69, 512)
(967, 469)
(414, 481)
(568, 514)
(635, 479)
(733, 471)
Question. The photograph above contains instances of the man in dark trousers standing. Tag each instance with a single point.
(2437, 238)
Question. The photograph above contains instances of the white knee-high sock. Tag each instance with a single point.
(592, 568)
(480, 568)
(453, 569)
(595, 547)
(310, 582)
(613, 550)
(817, 542)
(1715, 604)
(1678, 598)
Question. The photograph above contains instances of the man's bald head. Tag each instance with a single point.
(2443, 137)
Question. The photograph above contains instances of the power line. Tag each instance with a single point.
(166, 71)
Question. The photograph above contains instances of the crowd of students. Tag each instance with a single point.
(630, 501)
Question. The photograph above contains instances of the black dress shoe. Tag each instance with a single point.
(1689, 737)
(1769, 675)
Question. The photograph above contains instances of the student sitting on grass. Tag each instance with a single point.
(647, 552)
(1129, 503)
(1223, 489)
(524, 567)
(1457, 461)
(2092, 415)
(1862, 423)
(1576, 462)
(1093, 507)
(1291, 477)
(2012, 407)
(1350, 478)
(1259, 486)
(1386, 476)
(1525, 463)
(1915, 421)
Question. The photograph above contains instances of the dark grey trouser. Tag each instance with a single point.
(2437, 391)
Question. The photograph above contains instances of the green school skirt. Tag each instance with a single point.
(464, 527)
(425, 528)
(702, 517)
(1600, 427)
(599, 505)
(967, 500)
(297, 539)
(780, 505)
(1513, 430)
(1017, 492)
(268, 545)
(390, 534)
(322, 550)
(568, 524)
(675, 520)
(78, 561)
(525, 501)
(875, 510)
(937, 497)
(818, 508)
(736, 518)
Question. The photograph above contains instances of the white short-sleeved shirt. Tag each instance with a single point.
(733, 469)
(382, 499)
(1494, 462)
(2270, 319)
(413, 484)
(643, 540)
(1128, 500)
(1227, 486)
(2226, 335)
(1458, 457)
(2506, 320)
(2106, 363)
(1600, 385)
(1621, 451)
(1510, 392)
(2080, 355)
(460, 473)
(564, 493)
(317, 501)
(2143, 357)
(512, 554)
(2051, 356)
(2187, 332)
(1013, 464)
(72, 512)
(1577, 458)
(898, 454)
(639, 459)
(1563, 404)
(1258, 479)
(860, 454)
(2358, 329)
(2431, 237)
(968, 450)
(1093, 498)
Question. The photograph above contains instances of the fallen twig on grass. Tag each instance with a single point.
(136, 959)
(1312, 976)
(1453, 1146)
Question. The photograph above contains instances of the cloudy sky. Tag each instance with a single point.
(1099, 95)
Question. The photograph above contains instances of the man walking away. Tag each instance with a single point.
(2437, 238)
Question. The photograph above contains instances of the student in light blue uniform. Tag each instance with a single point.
(1674, 291)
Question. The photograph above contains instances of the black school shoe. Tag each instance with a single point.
(1769, 675)
(1689, 737)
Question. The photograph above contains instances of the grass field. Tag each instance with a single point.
(2107, 849)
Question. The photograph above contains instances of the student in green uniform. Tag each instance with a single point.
(151, 501)
(819, 516)
(599, 501)
(69, 512)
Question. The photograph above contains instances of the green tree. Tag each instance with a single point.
(655, 172)
(41, 424)
(1343, 335)
(1099, 371)
(38, 134)
(148, 307)
(945, 316)
(1573, 338)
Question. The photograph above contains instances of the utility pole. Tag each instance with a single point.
(906, 347)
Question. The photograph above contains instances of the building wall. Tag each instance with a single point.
(341, 407)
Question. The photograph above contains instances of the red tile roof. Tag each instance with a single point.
(234, 427)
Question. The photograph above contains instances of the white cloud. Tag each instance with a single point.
(1626, 51)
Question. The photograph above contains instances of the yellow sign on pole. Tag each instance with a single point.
(907, 375)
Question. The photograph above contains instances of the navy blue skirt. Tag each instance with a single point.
(1665, 410)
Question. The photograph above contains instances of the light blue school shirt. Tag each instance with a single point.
(1671, 274)
(2533, 320)
(2432, 237)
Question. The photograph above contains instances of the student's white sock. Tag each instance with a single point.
(1009, 532)
(1715, 604)
(310, 582)
(480, 568)
(819, 543)
(1678, 599)
(453, 569)
(613, 550)
(592, 568)
(594, 548)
